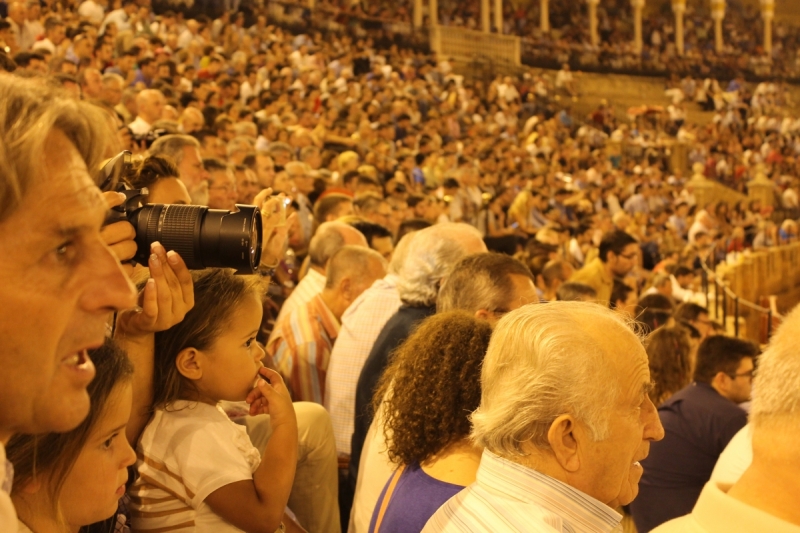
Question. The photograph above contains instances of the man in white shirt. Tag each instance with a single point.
(361, 325)
(764, 498)
(149, 108)
(16, 17)
(54, 34)
(93, 10)
(564, 420)
(120, 17)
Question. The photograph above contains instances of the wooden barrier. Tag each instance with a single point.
(465, 45)
(771, 272)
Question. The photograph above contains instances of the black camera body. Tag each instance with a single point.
(203, 237)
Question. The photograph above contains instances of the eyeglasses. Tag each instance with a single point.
(629, 257)
(748, 375)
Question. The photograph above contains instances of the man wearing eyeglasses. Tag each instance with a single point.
(222, 191)
(698, 421)
(617, 255)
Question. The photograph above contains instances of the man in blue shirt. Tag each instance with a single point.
(698, 421)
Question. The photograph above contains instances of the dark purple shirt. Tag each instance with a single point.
(414, 500)
(698, 424)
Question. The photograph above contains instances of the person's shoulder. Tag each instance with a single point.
(683, 524)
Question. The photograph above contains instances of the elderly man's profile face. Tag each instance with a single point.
(61, 285)
(612, 466)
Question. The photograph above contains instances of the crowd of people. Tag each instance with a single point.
(569, 40)
(472, 309)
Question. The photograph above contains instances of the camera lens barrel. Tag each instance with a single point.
(203, 237)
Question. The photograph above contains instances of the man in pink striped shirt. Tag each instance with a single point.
(302, 343)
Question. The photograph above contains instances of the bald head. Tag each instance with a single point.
(351, 271)
(191, 120)
(150, 105)
(329, 238)
(16, 12)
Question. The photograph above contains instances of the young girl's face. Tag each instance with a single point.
(230, 367)
(97, 480)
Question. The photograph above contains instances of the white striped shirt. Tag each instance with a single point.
(509, 497)
(361, 325)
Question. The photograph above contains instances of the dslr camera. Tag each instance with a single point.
(203, 237)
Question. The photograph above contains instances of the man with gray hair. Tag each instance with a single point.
(436, 251)
(564, 420)
(328, 239)
(764, 498)
(149, 108)
(184, 151)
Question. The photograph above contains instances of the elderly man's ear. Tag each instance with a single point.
(565, 437)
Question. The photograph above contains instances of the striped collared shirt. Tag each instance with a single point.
(301, 349)
(311, 285)
(509, 497)
(361, 325)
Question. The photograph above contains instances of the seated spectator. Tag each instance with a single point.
(77, 478)
(301, 343)
(222, 192)
(439, 366)
(327, 240)
(378, 237)
(695, 316)
(698, 420)
(160, 176)
(671, 356)
(617, 256)
(436, 251)
(656, 301)
(49, 321)
(760, 499)
(572, 291)
(554, 274)
(624, 300)
(661, 284)
(184, 151)
(149, 109)
(555, 450)
(333, 207)
(197, 360)
(501, 284)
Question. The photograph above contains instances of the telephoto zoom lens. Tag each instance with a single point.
(203, 237)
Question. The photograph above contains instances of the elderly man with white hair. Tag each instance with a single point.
(564, 420)
(435, 252)
(764, 498)
(149, 109)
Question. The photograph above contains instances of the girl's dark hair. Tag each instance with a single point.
(433, 385)
(145, 172)
(52, 456)
(668, 353)
(217, 294)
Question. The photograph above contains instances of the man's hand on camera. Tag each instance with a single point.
(275, 228)
(120, 236)
(166, 298)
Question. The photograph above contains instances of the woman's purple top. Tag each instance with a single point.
(416, 497)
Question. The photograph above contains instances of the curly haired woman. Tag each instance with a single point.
(427, 395)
